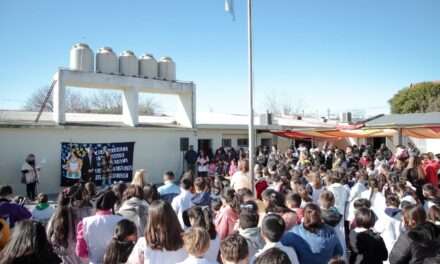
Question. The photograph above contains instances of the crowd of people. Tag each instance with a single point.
(306, 205)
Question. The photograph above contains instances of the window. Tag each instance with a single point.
(242, 142)
(226, 142)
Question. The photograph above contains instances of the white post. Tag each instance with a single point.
(251, 96)
(130, 106)
(59, 100)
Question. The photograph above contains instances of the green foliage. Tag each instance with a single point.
(419, 98)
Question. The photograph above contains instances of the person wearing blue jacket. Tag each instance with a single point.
(313, 241)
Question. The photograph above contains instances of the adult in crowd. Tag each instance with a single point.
(89, 165)
(30, 175)
(191, 159)
(241, 178)
(162, 241)
(169, 189)
(313, 241)
(106, 168)
(202, 163)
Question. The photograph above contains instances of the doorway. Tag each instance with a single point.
(205, 145)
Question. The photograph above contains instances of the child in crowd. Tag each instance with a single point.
(196, 242)
(182, 201)
(248, 227)
(293, 202)
(202, 196)
(392, 209)
(431, 196)
(10, 211)
(43, 210)
(434, 215)
(227, 216)
(272, 229)
(273, 256)
(94, 233)
(28, 244)
(234, 250)
(5, 233)
(367, 247)
(202, 218)
(331, 216)
(359, 203)
(122, 243)
(329, 212)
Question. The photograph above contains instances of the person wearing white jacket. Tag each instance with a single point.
(182, 202)
(355, 193)
(374, 195)
(341, 194)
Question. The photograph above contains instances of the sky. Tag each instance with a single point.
(316, 54)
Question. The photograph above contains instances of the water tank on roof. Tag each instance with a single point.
(128, 63)
(345, 117)
(147, 66)
(81, 58)
(167, 69)
(107, 61)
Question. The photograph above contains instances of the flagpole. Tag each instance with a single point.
(251, 141)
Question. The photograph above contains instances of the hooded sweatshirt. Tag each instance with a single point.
(254, 240)
(415, 245)
(136, 210)
(331, 216)
(201, 199)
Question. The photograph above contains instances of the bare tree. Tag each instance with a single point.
(148, 106)
(285, 106)
(101, 102)
(106, 103)
(36, 100)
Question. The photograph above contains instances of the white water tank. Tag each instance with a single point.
(167, 69)
(128, 63)
(107, 61)
(147, 66)
(81, 58)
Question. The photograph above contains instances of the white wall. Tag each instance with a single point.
(216, 135)
(156, 150)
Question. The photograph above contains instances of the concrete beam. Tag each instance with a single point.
(130, 107)
(131, 87)
(117, 82)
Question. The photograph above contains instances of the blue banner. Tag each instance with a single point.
(84, 162)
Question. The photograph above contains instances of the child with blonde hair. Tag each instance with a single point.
(196, 242)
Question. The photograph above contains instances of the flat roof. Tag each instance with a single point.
(405, 120)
